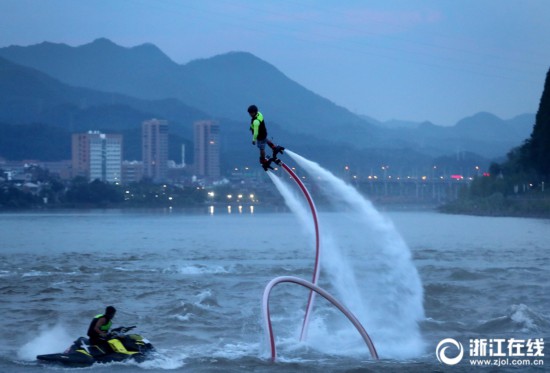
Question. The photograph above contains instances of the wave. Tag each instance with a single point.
(35, 273)
(50, 290)
(518, 318)
(465, 275)
(196, 269)
(206, 298)
(443, 289)
(164, 359)
(184, 311)
(443, 326)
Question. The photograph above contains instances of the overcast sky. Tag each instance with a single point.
(436, 60)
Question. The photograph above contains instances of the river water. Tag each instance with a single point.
(193, 281)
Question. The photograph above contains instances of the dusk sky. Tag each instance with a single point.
(436, 60)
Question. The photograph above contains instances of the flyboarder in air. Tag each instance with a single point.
(259, 137)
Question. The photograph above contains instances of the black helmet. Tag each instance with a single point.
(252, 109)
(110, 311)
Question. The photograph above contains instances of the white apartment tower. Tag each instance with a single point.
(96, 155)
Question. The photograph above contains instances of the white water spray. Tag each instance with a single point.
(370, 267)
(50, 340)
(293, 202)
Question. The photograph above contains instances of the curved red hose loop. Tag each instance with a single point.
(324, 294)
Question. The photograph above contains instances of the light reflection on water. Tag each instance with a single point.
(229, 210)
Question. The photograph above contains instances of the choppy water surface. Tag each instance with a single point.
(193, 284)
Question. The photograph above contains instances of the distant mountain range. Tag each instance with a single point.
(482, 133)
(222, 86)
(104, 86)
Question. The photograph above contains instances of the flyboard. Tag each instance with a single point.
(312, 286)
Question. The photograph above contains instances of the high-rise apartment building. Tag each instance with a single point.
(96, 155)
(132, 171)
(207, 148)
(155, 149)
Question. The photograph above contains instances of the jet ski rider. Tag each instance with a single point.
(98, 330)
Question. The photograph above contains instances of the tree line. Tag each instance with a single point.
(521, 184)
(50, 192)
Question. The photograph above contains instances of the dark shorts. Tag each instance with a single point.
(261, 144)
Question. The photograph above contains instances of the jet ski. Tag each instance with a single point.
(122, 347)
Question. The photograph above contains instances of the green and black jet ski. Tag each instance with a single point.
(122, 347)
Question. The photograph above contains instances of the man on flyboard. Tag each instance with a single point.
(259, 137)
